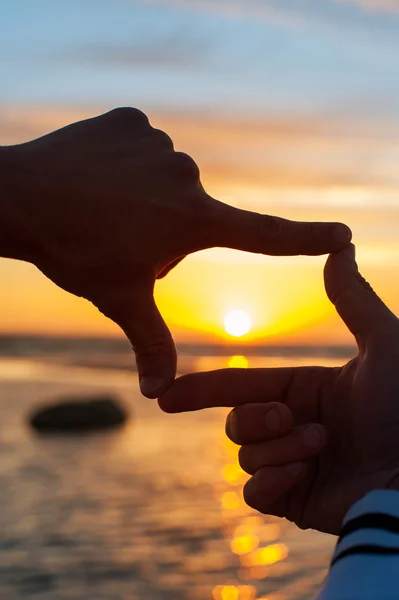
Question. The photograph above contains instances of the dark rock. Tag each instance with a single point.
(79, 415)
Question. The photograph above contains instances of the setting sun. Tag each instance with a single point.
(237, 323)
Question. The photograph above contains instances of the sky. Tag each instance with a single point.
(290, 107)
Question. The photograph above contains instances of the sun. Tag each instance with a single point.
(237, 323)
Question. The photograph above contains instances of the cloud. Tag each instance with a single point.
(189, 48)
(292, 12)
(250, 9)
(176, 49)
(388, 6)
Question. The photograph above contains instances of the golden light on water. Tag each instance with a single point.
(271, 532)
(238, 362)
(226, 592)
(244, 544)
(245, 531)
(231, 500)
(237, 323)
(253, 523)
(265, 556)
(232, 592)
(230, 449)
(233, 474)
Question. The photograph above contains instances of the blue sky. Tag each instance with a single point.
(259, 55)
(278, 92)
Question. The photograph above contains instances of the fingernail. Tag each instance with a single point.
(294, 469)
(272, 420)
(311, 437)
(151, 386)
(343, 234)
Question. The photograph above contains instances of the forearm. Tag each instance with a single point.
(14, 190)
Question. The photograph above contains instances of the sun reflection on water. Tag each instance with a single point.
(238, 362)
(232, 592)
(265, 556)
(231, 501)
(249, 535)
(244, 544)
(233, 474)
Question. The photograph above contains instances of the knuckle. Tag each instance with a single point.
(128, 115)
(151, 353)
(162, 139)
(187, 166)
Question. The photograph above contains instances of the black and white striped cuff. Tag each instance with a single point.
(371, 527)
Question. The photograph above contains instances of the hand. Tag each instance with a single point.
(105, 206)
(346, 418)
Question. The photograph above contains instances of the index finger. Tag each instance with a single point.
(227, 387)
(299, 387)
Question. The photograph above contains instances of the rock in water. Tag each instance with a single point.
(76, 414)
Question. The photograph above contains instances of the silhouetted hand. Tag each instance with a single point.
(106, 206)
(347, 416)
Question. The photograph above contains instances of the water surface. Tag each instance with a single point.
(151, 511)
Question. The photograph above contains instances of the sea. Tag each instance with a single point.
(150, 511)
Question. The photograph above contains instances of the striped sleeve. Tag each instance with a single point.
(365, 564)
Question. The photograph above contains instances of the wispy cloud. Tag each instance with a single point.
(389, 6)
(289, 12)
(265, 9)
(176, 49)
(232, 8)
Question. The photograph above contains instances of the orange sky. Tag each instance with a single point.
(289, 107)
(292, 167)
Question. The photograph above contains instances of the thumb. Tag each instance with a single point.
(358, 305)
(136, 313)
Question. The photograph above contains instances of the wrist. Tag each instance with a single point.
(14, 234)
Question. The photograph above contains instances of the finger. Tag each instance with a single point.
(235, 387)
(226, 387)
(138, 316)
(244, 230)
(169, 267)
(269, 484)
(360, 308)
(298, 445)
(258, 422)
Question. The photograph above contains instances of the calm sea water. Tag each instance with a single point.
(151, 511)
